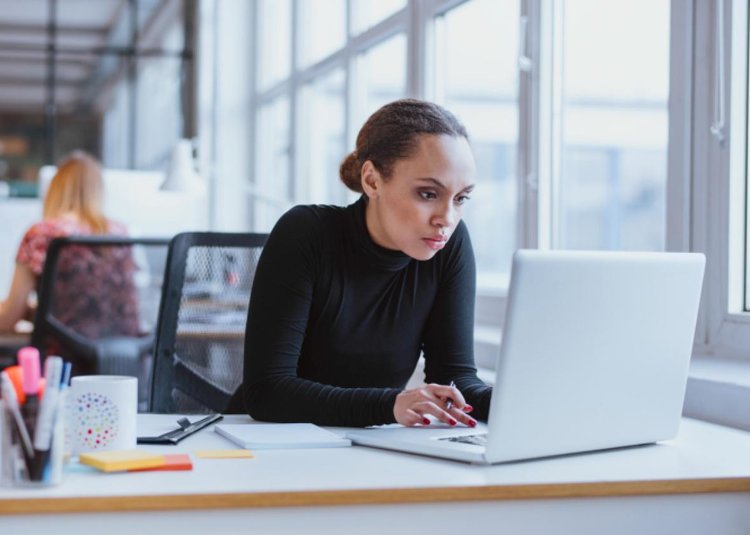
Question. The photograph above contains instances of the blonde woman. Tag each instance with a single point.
(72, 207)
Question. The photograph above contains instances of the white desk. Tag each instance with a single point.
(698, 483)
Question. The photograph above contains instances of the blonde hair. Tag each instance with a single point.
(77, 188)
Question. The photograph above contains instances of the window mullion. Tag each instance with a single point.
(527, 158)
(294, 187)
(678, 210)
(416, 68)
(538, 144)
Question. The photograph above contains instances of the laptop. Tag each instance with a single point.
(594, 355)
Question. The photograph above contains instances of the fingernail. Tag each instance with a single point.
(473, 423)
(425, 421)
(468, 408)
(452, 421)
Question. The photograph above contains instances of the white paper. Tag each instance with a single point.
(271, 436)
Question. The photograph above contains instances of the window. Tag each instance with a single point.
(317, 81)
(367, 13)
(321, 27)
(275, 33)
(482, 90)
(271, 185)
(605, 185)
(614, 132)
(720, 227)
(381, 77)
(321, 138)
(595, 124)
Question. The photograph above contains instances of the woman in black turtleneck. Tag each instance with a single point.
(346, 298)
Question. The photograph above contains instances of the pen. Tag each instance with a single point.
(65, 381)
(45, 422)
(449, 404)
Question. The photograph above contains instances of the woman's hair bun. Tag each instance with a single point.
(349, 172)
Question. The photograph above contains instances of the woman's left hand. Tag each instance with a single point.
(443, 402)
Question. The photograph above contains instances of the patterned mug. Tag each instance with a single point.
(102, 412)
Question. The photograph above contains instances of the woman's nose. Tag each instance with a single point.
(445, 218)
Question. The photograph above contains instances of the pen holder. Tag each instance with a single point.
(20, 464)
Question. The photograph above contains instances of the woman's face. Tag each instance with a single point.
(418, 208)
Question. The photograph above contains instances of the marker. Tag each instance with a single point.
(28, 358)
(45, 423)
(15, 373)
(11, 402)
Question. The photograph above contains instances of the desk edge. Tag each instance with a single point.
(155, 502)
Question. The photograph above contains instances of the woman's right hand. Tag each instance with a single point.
(443, 402)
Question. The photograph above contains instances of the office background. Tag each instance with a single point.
(596, 124)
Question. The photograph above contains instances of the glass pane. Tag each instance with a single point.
(159, 112)
(380, 77)
(615, 125)
(274, 43)
(481, 89)
(322, 144)
(271, 186)
(367, 13)
(322, 29)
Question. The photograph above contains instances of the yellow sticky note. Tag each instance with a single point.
(116, 461)
(224, 454)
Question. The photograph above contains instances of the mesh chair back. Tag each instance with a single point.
(200, 343)
(98, 301)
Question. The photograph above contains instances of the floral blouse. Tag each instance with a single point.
(33, 249)
(94, 292)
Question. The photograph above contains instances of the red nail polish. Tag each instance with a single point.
(425, 421)
(452, 422)
(473, 423)
(468, 408)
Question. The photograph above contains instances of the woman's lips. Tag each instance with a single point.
(435, 243)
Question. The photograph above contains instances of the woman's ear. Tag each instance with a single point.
(371, 179)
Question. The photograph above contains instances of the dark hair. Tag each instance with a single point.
(391, 134)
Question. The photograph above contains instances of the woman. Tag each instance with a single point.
(72, 206)
(345, 298)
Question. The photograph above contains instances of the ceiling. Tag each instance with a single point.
(83, 29)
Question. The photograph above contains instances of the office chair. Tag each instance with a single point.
(201, 337)
(98, 300)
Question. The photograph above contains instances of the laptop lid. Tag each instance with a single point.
(595, 355)
(595, 351)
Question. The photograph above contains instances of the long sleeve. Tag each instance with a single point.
(336, 323)
(277, 326)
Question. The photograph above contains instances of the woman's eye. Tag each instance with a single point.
(462, 199)
(428, 195)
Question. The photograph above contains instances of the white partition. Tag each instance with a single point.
(133, 197)
(130, 197)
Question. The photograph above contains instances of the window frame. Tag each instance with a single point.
(719, 177)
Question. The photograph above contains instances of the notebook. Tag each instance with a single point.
(594, 355)
(271, 436)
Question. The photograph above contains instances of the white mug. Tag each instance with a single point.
(102, 413)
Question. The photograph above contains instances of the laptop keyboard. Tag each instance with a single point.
(476, 440)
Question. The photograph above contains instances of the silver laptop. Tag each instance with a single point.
(594, 355)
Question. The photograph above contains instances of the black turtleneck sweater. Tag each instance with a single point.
(337, 323)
